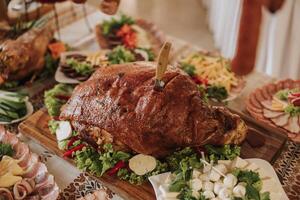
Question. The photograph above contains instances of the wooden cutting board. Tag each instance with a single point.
(36, 128)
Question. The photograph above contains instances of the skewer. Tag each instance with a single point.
(207, 163)
(162, 64)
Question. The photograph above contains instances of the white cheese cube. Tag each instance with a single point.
(214, 176)
(196, 184)
(208, 194)
(208, 186)
(239, 191)
(196, 173)
(217, 187)
(227, 163)
(230, 181)
(204, 177)
(239, 163)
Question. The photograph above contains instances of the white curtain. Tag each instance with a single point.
(278, 52)
(223, 20)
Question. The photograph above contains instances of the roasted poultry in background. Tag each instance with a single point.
(24, 56)
(119, 105)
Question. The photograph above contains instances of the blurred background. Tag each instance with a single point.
(260, 34)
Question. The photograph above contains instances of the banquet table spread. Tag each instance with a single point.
(75, 184)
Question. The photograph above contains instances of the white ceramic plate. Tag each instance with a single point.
(29, 109)
(271, 185)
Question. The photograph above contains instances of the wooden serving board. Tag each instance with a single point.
(36, 128)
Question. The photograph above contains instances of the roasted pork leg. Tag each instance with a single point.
(118, 104)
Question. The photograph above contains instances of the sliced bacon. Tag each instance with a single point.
(293, 125)
(42, 175)
(281, 120)
(272, 114)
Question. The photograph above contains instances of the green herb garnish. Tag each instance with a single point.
(120, 55)
(82, 68)
(53, 125)
(218, 93)
(226, 152)
(6, 150)
(292, 110)
(188, 68)
(109, 26)
(52, 102)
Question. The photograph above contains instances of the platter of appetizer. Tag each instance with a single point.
(212, 73)
(220, 180)
(78, 66)
(132, 33)
(28, 52)
(22, 174)
(92, 127)
(14, 107)
(277, 104)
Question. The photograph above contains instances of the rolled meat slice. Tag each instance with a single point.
(23, 188)
(5, 193)
(49, 193)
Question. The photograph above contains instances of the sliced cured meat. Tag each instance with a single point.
(256, 110)
(253, 101)
(33, 170)
(271, 88)
(281, 120)
(41, 175)
(272, 114)
(265, 93)
(33, 159)
(280, 85)
(48, 181)
(267, 104)
(293, 125)
(21, 151)
(10, 138)
(288, 83)
(258, 95)
(49, 192)
(6, 194)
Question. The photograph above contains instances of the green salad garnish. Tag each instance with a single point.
(108, 26)
(218, 93)
(292, 110)
(6, 150)
(82, 68)
(226, 152)
(120, 55)
(12, 106)
(253, 184)
(188, 68)
(57, 97)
